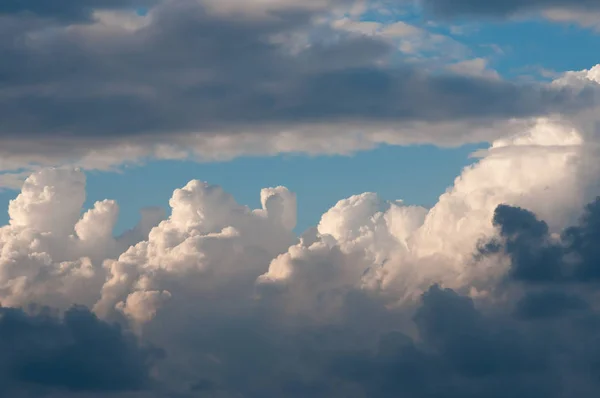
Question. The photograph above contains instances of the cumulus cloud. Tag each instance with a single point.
(378, 299)
(217, 79)
(52, 254)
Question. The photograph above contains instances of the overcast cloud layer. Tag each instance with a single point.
(491, 292)
(100, 82)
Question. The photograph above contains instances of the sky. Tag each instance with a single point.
(335, 177)
(281, 198)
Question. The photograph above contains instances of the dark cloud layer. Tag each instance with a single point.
(545, 345)
(67, 10)
(460, 351)
(77, 352)
(549, 304)
(502, 8)
(191, 70)
(536, 257)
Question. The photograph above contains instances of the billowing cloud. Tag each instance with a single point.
(49, 252)
(98, 83)
(379, 299)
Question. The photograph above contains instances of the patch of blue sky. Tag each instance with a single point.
(416, 175)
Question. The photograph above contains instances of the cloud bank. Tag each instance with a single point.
(476, 296)
(100, 82)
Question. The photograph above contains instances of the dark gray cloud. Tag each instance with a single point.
(456, 350)
(191, 70)
(461, 352)
(503, 8)
(549, 304)
(540, 347)
(76, 352)
(536, 257)
(68, 10)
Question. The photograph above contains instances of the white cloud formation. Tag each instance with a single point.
(49, 252)
(215, 263)
(211, 242)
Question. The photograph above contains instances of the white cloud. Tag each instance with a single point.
(52, 254)
(211, 242)
(216, 264)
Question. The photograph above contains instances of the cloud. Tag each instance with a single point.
(378, 299)
(538, 256)
(68, 10)
(549, 304)
(474, 67)
(75, 352)
(213, 80)
(417, 44)
(580, 12)
(503, 8)
(476, 296)
(464, 351)
(52, 254)
(583, 17)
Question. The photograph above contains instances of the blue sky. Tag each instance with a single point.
(412, 174)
